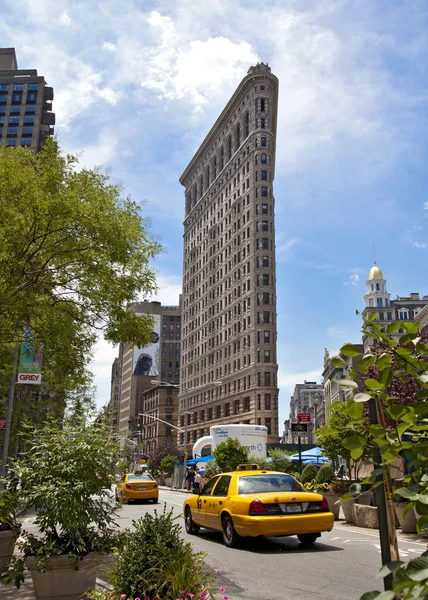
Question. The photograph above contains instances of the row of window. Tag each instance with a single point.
(16, 108)
(171, 318)
(19, 87)
(15, 119)
(171, 327)
(172, 336)
(25, 141)
(27, 130)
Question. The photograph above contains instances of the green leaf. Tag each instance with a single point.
(347, 383)
(372, 317)
(405, 493)
(350, 350)
(362, 397)
(354, 441)
(422, 525)
(383, 361)
(411, 326)
(393, 327)
(389, 568)
(406, 338)
(402, 427)
(421, 394)
(354, 409)
(421, 508)
(377, 430)
(337, 361)
(357, 453)
(366, 362)
(373, 384)
(417, 569)
(385, 377)
(370, 596)
(424, 377)
(396, 411)
(355, 488)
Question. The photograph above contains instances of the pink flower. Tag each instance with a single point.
(222, 589)
(225, 597)
(123, 597)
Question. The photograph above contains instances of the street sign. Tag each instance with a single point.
(304, 417)
(2, 424)
(299, 427)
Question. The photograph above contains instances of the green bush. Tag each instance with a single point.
(308, 474)
(154, 560)
(280, 461)
(325, 474)
(229, 454)
(168, 463)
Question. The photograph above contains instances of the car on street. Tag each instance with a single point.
(136, 486)
(249, 502)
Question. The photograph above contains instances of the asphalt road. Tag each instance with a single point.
(342, 565)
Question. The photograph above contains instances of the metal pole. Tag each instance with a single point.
(185, 436)
(300, 453)
(9, 413)
(387, 534)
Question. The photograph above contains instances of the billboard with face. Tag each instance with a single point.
(146, 360)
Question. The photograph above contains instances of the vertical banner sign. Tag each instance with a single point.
(30, 362)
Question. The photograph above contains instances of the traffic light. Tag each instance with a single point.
(139, 423)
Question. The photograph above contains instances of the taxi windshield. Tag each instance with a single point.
(139, 478)
(259, 484)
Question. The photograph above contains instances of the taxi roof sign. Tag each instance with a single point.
(247, 467)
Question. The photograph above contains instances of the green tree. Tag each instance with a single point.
(396, 392)
(280, 461)
(330, 436)
(229, 454)
(168, 463)
(74, 253)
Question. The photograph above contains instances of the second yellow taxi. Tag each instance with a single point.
(249, 503)
(136, 486)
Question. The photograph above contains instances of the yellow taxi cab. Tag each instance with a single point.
(249, 503)
(136, 486)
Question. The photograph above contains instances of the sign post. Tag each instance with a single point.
(30, 362)
(9, 414)
(299, 428)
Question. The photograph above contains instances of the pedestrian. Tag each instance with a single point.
(196, 484)
(190, 478)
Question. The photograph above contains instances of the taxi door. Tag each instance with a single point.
(216, 502)
(202, 499)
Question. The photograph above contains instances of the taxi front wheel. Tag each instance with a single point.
(230, 537)
(191, 527)
(307, 539)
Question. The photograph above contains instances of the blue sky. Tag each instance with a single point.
(139, 84)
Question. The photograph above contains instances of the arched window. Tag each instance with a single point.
(262, 105)
(377, 287)
(263, 159)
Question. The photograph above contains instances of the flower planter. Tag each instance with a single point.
(60, 580)
(407, 523)
(366, 516)
(332, 506)
(366, 498)
(348, 510)
(7, 544)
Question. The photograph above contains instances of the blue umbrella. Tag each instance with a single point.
(311, 457)
(201, 459)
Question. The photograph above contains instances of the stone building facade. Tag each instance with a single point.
(139, 367)
(26, 117)
(229, 368)
(159, 416)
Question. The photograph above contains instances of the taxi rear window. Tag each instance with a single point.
(259, 484)
(139, 478)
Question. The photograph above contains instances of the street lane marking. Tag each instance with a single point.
(376, 535)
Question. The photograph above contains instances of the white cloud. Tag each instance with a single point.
(101, 368)
(100, 152)
(109, 95)
(65, 19)
(109, 46)
(354, 277)
(419, 245)
(170, 287)
(425, 205)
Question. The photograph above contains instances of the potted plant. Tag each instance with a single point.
(325, 476)
(66, 475)
(335, 491)
(405, 514)
(9, 527)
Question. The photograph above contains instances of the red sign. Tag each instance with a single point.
(304, 417)
(2, 424)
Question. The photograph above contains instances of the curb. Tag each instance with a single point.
(168, 489)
